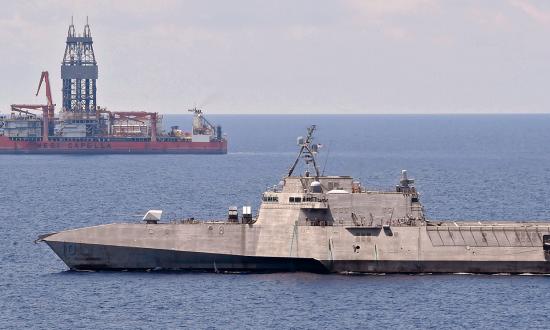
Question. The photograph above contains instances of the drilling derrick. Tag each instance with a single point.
(79, 116)
(79, 72)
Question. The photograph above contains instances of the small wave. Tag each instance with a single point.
(351, 273)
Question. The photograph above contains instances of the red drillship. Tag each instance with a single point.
(128, 132)
(84, 127)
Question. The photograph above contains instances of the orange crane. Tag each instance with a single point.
(45, 77)
(47, 109)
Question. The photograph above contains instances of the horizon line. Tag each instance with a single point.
(372, 114)
(356, 114)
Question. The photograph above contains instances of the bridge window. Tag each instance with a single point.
(273, 199)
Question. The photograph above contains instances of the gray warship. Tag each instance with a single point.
(313, 223)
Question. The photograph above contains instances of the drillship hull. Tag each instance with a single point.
(8, 146)
(242, 248)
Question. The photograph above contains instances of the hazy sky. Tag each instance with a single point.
(398, 56)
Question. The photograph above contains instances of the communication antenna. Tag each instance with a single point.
(308, 150)
(326, 159)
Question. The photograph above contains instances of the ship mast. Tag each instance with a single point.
(308, 150)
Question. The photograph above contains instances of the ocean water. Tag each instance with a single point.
(466, 167)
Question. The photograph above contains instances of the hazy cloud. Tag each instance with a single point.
(533, 11)
(308, 56)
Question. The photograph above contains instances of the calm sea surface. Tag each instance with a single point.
(466, 167)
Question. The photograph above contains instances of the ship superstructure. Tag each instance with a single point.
(318, 223)
(82, 126)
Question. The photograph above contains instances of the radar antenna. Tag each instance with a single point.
(308, 150)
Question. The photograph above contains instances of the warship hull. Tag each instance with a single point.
(324, 224)
(240, 248)
(105, 257)
(116, 258)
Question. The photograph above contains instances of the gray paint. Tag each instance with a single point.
(398, 239)
(342, 227)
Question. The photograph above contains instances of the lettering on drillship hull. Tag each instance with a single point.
(76, 145)
(50, 145)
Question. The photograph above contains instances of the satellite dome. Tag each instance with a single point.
(315, 187)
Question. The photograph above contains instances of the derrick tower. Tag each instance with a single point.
(79, 72)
